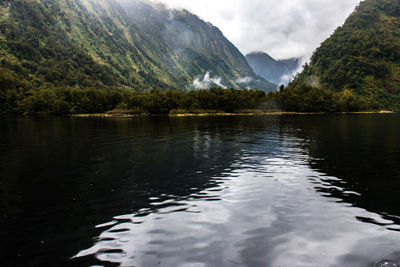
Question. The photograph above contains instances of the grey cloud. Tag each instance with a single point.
(282, 28)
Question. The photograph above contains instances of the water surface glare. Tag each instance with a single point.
(239, 191)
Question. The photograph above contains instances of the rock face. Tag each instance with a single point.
(98, 43)
(276, 71)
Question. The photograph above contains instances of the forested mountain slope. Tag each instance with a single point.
(97, 44)
(195, 47)
(362, 57)
(73, 43)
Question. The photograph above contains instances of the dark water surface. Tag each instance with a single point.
(238, 191)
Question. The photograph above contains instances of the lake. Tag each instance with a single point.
(315, 190)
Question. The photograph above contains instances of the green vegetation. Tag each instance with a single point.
(361, 59)
(97, 44)
(305, 98)
(65, 100)
(63, 43)
(73, 101)
(69, 57)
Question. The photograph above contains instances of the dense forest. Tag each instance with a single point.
(72, 100)
(65, 100)
(361, 58)
(307, 98)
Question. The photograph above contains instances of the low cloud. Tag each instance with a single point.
(282, 28)
(207, 81)
(287, 77)
(244, 81)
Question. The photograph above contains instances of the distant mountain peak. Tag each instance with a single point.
(261, 54)
(276, 71)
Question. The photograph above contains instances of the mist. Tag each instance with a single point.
(208, 81)
(282, 28)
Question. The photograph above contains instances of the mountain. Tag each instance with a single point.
(105, 44)
(362, 57)
(195, 46)
(276, 71)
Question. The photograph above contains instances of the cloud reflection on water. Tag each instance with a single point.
(269, 208)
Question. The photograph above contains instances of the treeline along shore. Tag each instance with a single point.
(60, 101)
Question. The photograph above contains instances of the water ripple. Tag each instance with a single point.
(269, 214)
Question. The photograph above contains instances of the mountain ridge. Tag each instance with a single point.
(362, 57)
(277, 71)
(192, 39)
(95, 43)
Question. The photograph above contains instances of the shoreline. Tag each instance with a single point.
(222, 114)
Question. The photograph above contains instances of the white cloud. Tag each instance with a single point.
(282, 28)
(208, 81)
(244, 80)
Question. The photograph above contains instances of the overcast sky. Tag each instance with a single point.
(282, 28)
